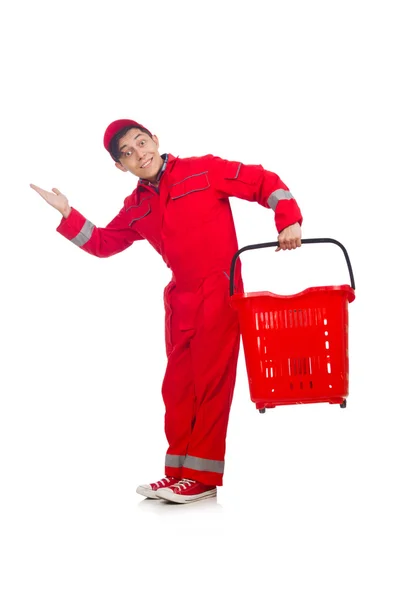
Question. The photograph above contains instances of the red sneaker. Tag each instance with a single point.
(186, 490)
(150, 489)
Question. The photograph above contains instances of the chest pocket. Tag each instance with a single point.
(136, 212)
(189, 185)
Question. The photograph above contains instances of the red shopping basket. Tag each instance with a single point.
(296, 347)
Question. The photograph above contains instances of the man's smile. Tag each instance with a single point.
(146, 163)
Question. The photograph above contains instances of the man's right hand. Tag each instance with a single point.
(55, 199)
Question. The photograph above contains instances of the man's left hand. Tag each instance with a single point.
(290, 238)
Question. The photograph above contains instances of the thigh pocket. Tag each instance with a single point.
(217, 309)
(168, 317)
(186, 307)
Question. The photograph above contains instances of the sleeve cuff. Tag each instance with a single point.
(71, 226)
(287, 213)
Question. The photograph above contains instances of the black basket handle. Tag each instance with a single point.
(304, 241)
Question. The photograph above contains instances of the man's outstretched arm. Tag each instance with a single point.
(98, 241)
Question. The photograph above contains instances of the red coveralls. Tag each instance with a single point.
(188, 220)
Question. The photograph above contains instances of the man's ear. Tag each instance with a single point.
(120, 166)
(156, 140)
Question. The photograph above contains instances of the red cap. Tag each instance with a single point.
(117, 126)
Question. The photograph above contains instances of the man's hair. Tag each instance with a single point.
(114, 143)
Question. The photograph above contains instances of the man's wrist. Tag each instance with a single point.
(66, 212)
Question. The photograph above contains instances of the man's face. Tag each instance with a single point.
(140, 154)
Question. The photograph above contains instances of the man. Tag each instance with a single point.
(181, 206)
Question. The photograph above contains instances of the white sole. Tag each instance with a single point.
(143, 491)
(168, 494)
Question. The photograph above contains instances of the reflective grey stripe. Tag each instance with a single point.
(203, 464)
(84, 235)
(174, 460)
(279, 195)
(195, 463)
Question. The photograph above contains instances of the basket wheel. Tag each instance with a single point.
(262, 410)
(343, 405)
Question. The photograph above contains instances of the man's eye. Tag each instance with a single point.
(128, 153)
(142, 142)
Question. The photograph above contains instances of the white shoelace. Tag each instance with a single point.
(166, 480)
(162, 482)
(184, 483)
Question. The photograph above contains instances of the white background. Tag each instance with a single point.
(308, 507)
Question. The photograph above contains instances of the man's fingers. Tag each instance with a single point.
(45, 193)
(288, 245)
(39, 190)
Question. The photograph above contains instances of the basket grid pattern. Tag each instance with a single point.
(296, 352)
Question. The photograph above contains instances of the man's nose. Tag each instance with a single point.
(140, 152)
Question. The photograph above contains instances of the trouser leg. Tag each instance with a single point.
(214, 350)
(178, 385)
(179, 399)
